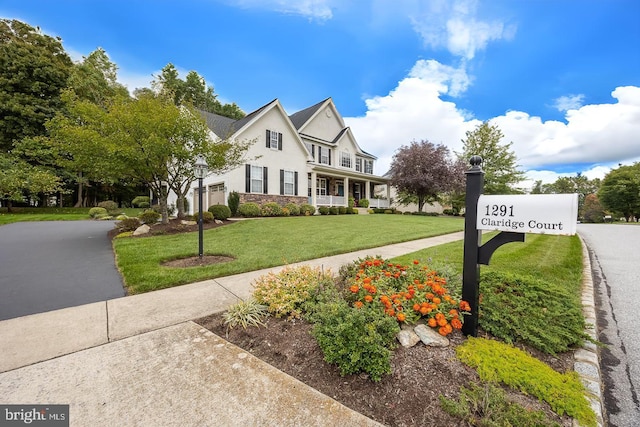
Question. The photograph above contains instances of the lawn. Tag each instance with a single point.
(52, 214)
(263, 243)
(556, 259)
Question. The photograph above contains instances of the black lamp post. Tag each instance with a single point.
(200, 171)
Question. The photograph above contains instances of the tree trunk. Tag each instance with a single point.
(79, 203)
(162, 200)
(180, 206)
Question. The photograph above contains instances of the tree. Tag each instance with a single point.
(18, 176)
(192, 91)
(592, 210)
(425, 171)
(620, 191)
(34, 68)
(501, 173)
(579, 184)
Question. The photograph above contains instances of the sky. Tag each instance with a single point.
(560, 78)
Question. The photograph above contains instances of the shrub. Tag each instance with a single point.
(323, 210)
(294, 210)
(128, 224)
(249, 210)
(285, 211)
(496, 361)
(352, 202)
(388, 211)
(307, 210)
(234, 202)
(149, 217)
(363, 203)
(356, 340)
(333, 210)
(95, 212)
(342, 210)
(487, 405)
(245, 313)
(142, 202)
(524, 309)
(220, 212)
(207, 217)
(271, 209)
(109, 205)
(286, 292)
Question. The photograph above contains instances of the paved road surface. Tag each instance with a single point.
(55, 264)
(614, 253)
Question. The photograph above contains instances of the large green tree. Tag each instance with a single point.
(579, 184)
(500, 163)
(34, 69)
(423, 172)
(620, 191)
(193, 91)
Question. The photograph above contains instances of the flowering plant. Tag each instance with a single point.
(407, 293)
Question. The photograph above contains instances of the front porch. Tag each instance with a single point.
(327, 190)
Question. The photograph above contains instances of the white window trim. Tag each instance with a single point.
(273, 140)
(290, 182)
(257, 178)
(345, 159)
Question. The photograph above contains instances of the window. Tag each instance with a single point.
(358, 164)
(321, 186)
(325, 155)
(345, 159)
(368, 166)
(274, 140)
(288, 183)
(256, 179)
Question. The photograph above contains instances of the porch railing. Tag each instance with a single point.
(331, 201)
(378, 203)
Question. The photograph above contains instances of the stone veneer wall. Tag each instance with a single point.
(269, 198)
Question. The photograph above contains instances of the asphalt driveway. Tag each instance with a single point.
(50, 265)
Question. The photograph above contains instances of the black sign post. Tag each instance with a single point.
(474, 253)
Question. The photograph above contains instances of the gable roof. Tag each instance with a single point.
(301, 117)
(224, 127)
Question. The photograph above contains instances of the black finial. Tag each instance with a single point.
(475, 161)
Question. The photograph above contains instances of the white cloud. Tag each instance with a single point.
(453, 25)
(312, 9)
(601, 134)
(568, 102)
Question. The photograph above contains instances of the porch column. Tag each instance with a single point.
(367, 190)
(346, 190)
(388, 194)
(314, 178)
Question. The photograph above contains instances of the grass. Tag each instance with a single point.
(556, 259)
(258, 244)
(52, 214)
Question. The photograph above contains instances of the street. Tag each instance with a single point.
(613, 250)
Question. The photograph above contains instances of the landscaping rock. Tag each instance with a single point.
(183, 222)
(217, 221)
(408, 338)
(143, 229)
(430, 337)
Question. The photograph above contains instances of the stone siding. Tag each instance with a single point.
(271, 198)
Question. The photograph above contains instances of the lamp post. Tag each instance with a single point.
(200, 171)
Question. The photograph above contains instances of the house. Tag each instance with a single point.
(307, 157)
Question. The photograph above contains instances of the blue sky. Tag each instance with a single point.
(561, 78)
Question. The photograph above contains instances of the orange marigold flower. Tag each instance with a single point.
(366, 280)
(368, 298)
(384, 299)
(464, 306)
(443, 331)
(354, 288)
(416, 307)
(437, 300)
(439, 316)
(401, 317)
(387, 273)
(358, 304)
(416, 262)
(429, 295)
(391, 312)
(432, 322)
(453, 312)
(442, 322)
(425, 310)
(456, 323)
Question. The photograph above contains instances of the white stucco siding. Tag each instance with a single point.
(324, 126)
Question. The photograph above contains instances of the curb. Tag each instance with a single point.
(587, 358)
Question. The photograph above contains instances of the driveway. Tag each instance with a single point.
(616, 272)
(55, 264)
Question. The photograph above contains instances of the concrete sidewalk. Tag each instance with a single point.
(139, 360)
